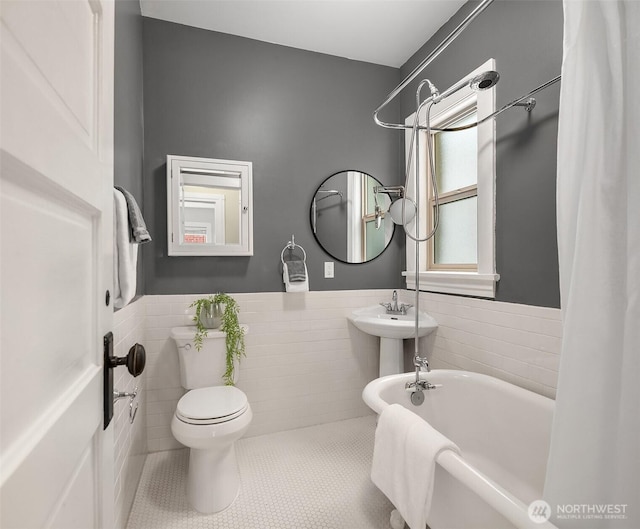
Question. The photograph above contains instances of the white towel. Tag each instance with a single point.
(404, 462)
(125, 254)
(295, 286)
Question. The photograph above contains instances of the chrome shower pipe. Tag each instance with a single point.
(426, 61)
(525, 101)
(476, 83)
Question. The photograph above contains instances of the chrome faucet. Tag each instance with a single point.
(393, 308)
(419, 386)
(420, 362)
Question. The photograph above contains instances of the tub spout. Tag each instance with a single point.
(419, 362)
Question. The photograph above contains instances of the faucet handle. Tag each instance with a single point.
(386, 306)
(404, 307)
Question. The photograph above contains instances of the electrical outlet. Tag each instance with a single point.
(328, 269)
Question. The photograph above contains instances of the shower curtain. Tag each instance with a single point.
(593, 474)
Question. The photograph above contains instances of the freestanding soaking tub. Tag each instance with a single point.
(503, 433)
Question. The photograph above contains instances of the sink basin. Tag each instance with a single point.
(375, 320)
(392, 329)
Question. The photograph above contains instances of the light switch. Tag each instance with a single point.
(328, 269)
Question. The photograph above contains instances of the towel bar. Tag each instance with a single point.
(291, 245)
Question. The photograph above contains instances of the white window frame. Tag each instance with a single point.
(480, 282)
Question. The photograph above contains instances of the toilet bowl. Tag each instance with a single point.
(208, 420)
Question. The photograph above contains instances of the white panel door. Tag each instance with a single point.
(56, 466)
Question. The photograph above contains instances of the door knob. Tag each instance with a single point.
(135, 360)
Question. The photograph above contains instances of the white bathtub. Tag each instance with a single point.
(503, 433)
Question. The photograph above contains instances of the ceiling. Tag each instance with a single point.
(385, 32)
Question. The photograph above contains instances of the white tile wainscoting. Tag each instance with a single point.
(305, 363)
(130, 447)
(517, 343)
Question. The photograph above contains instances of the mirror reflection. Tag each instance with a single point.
(209, 214)
(349, 220)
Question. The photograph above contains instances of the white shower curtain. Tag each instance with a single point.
(593, 475)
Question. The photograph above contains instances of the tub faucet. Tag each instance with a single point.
(416, 388)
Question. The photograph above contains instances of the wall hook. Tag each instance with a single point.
(117, 395)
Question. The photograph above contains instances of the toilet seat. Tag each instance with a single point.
(211, 405)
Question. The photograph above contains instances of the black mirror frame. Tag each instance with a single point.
(311, 221)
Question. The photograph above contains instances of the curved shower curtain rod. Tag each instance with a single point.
(521, 101)
(430, 58)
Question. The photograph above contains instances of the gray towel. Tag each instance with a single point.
(296, 270)
(138, 228)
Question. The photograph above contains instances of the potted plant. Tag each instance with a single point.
(210, 314)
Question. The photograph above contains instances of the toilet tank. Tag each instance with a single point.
(203, 368)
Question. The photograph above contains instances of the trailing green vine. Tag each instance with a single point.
(234, 339)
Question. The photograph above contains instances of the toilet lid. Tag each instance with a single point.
(219, 402)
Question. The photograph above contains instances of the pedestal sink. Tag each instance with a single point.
(392, 329)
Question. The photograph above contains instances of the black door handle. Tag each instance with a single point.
(135, 360)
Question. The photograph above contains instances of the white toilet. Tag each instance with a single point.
(209, 419)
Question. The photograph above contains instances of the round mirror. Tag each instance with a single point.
(349, 217)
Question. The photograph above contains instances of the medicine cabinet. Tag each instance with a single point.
(209, 206)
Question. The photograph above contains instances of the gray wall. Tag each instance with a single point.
(298, 116)
(525, 38)
(128, 90)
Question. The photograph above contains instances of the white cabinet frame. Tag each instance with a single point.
(216, 173)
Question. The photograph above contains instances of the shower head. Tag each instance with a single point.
(484, 81)
(480, 82)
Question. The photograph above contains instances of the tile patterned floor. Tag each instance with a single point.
(311, 478)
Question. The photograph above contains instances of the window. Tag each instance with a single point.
(454, 246)
(460, 258)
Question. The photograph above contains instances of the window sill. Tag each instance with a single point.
(461, 283)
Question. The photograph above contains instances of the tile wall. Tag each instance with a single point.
(130, 439)
(517, 343)
(305, 363)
